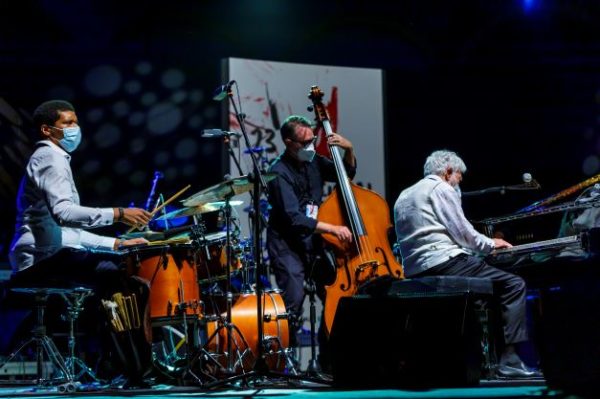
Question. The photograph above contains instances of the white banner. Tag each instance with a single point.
(271, 91)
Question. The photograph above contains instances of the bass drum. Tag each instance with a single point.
(244, 334)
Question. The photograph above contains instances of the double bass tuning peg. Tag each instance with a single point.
(310, 108)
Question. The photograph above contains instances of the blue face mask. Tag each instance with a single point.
(71, 138)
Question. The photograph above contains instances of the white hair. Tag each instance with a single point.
(439, 161)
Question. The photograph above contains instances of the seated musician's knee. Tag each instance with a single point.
(517, 284)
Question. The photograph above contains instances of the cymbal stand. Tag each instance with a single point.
(247, 267)
(246, 286)
(227, 323)
(228, 293)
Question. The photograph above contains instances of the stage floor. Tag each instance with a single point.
(299, 389)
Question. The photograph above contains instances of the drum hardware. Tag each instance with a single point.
(232, 338)
(248, 265)
(247, 345)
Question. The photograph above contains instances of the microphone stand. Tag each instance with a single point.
(503, 189)
(227, 141)
(260, 366)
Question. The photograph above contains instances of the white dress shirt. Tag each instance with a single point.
(431, 227)
(49, 216)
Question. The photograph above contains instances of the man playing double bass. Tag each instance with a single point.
(293, 234)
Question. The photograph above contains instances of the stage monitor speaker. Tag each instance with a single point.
(391, 341)
(569, 336)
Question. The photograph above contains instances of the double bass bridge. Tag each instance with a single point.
(369, 268)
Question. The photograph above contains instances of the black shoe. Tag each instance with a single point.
(517, 372)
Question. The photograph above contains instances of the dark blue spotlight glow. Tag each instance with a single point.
(530, 5)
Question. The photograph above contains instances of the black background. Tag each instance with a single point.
(511, 85)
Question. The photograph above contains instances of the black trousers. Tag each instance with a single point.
(509, 290)
(73, 267)
(292, 268)
(292, 264)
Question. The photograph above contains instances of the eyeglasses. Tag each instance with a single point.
(305, 142)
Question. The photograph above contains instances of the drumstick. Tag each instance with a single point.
(167, 202)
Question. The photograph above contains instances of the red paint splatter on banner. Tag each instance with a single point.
(332, 109)
(233, 122)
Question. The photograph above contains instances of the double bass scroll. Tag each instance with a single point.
(368, 216)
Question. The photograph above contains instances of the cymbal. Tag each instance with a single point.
(224, 190)
(196, 210)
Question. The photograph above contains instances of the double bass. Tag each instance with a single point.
(367, 215)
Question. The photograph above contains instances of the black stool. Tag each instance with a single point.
(479, 289)
(66, 381)
(74, 299)
(420, 332)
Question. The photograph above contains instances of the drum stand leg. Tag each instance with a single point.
(228, 323)
(204, 355)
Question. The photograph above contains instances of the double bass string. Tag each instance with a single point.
(347, 195)
(369, 231)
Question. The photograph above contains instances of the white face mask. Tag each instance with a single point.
(71, 138)
(457, 189)
(306, 154)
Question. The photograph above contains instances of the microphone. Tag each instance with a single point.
(218, 133)
(222, 91)
(530, 181)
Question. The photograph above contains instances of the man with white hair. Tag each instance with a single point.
(435, 238)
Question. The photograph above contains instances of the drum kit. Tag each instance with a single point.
(201, 328)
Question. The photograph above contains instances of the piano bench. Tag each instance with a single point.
(476, 290)
(442, 285)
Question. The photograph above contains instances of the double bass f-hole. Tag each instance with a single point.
(368, 217)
